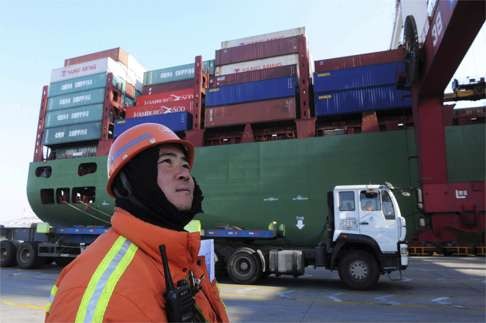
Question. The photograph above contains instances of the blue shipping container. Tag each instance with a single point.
(177, 122)
(355, 101)
(358, 77)
(251, 91)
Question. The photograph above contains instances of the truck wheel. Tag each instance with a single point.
(27, 257)
(359, 270)
(8, 251)
(243, 266)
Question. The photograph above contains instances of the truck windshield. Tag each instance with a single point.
(370, 201)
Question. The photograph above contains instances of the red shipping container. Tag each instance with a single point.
(276, 47)
(164, 97)
(250, 76)
(117, 54)
(166, 87)
(169, 107)
(339, 63)
(253, 112)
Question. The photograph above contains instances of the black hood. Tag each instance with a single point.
(137, 192)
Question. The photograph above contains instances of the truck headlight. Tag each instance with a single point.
(403, 249)
(403, 228)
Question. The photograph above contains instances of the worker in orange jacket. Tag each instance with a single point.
(120, 276)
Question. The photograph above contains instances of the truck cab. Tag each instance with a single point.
(362, 237)
(367, 221)
(371, 211)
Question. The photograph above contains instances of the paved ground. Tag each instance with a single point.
(434, 289)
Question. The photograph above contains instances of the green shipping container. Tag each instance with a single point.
(169, 74)
(209, 66)
(128, 101)
(78, 84)
(175, 73)
(83, 114)
(76, 99)
(120, 84)
(72, 133)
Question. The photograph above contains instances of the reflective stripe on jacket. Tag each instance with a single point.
(119, 277)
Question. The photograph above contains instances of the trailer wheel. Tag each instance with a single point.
(27, 256)
(8, 251)
(243, 266)
(359, 270)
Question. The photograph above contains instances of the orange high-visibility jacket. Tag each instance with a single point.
(120, 278)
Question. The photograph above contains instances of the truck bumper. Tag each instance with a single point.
(397, 260)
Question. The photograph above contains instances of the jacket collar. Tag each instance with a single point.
(182, 247)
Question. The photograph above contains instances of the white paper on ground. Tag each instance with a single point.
(207, 250)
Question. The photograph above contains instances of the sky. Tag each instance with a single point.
(36, 37)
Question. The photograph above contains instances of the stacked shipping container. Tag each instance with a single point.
(168, 98)
(257, 84)
(360, 83)
(256, 80)
(84, 98)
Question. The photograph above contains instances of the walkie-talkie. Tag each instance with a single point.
(179, 300)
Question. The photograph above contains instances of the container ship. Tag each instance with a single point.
(273, 132)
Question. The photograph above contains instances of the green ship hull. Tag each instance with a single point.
(252, 185)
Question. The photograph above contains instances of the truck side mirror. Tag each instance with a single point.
(389, 185)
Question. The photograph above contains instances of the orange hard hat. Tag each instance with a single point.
(137, 139)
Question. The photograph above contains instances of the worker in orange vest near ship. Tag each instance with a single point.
(121, 277)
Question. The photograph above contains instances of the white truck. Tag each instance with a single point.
(362, 236)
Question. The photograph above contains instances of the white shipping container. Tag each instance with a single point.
(134, 78)
(84, 69)
(135, 66)
(136, 70)
(259, 64)
(263, 37)
(101, 65)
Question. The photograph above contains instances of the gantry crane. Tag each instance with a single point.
(451, 207)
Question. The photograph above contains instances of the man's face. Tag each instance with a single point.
(174, 177)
